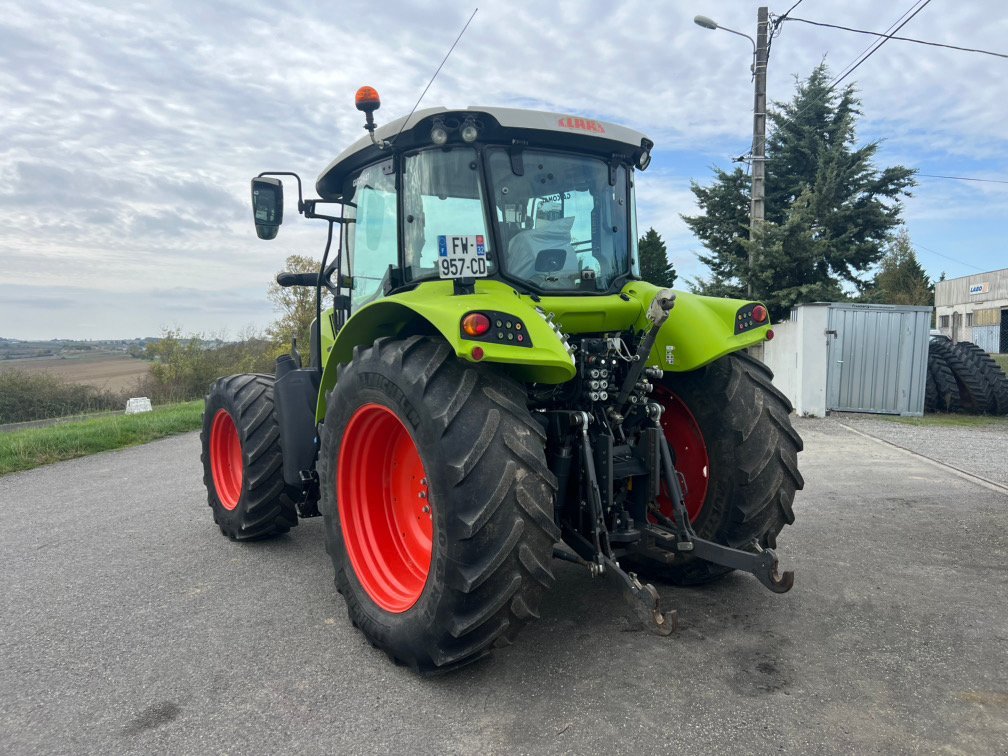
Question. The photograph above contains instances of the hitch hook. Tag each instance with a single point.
(644, 601)
(768, 575)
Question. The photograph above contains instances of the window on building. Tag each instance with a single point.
(943, 322)
(969, 319)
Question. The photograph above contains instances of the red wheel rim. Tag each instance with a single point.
(226, 460)
(384, 508)
(691, 459)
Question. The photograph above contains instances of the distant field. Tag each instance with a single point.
(115, 372)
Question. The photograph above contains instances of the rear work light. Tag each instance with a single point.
(475, 324)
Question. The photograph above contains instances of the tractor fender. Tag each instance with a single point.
(432, 308)
(698, 331)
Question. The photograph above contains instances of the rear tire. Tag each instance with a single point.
(945, 382)
(753, 462)
(990, 371)
(930, 392)
(974, 393)
(406, 417)
(242, 462)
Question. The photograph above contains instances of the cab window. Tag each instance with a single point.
(371, 241)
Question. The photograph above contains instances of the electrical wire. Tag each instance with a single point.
(963, 178)
(939, 254)
(901, 39)
(790, 9)
(775, 24)
(895, 26)
(889, 30)
(879, 44)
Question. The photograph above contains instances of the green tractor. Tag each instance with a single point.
(494, 387)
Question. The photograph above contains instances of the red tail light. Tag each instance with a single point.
(475, 324)
(759, 313)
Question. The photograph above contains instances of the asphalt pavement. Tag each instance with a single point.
(129, 625)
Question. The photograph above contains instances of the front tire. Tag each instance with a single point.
(242, 462)
(437, 503)
(734, 444)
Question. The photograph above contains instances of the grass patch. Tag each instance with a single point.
(1002, 360)
(942, 419)
(25, 449)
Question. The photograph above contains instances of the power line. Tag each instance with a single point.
(789, 10)
(893, 36)
(880, 43)
(891, 28)
(747, 158)
(963, 178)
(775, 24)
(960, 262)
(912, 11)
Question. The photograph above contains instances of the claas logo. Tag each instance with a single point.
(582, 124)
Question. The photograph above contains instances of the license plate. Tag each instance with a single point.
(462, 257)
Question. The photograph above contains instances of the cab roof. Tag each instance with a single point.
(509, 126)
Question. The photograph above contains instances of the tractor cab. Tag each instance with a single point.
(543, 202)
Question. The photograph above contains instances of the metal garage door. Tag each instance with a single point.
(877, 358)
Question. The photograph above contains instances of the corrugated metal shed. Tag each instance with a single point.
(852, 358)
(878, 358)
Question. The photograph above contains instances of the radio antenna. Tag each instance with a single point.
(436, 73)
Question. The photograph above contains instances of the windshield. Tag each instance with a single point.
(563, 226)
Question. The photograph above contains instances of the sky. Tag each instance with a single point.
(129, 131)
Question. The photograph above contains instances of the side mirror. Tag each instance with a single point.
(267, 206)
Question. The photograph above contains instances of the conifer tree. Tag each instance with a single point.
(829, 211)
(901, 278)
(654, 263)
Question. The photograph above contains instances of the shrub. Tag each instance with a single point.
(35, 396)
(184, 368)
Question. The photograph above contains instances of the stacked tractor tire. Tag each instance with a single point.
(962, 377)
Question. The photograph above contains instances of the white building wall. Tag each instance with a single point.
(799, 359)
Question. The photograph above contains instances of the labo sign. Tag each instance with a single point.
(980, 288)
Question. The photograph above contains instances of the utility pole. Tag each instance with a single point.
(759, 133)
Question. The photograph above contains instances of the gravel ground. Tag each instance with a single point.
(129, 625)
(978, 449)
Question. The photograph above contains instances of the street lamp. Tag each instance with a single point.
(709, 23)
(759, 118)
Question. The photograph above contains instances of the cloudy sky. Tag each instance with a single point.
(129, 131)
